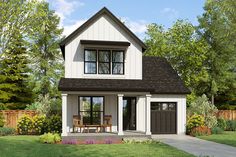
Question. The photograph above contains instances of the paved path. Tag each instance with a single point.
(197, 146)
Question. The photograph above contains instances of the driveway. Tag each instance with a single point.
(197, 146)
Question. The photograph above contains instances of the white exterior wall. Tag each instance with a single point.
(181, 108)
(111, 109)
(140, 114)
(72, 108)
(103, 29)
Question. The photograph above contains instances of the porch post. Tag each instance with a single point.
(148, 114)
(64, 115)
(120, 114)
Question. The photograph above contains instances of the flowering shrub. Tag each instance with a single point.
(90, 141)
(54, 124)
(194, 121)
(202, 106)
(200, 131)
(24, 125)
(49, 138)
(69, 141)
(39, 124)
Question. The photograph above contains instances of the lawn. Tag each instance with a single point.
(228, 137)
(28, 146)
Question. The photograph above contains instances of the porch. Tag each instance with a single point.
(130, 114)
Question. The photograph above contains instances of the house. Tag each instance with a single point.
(106, 73)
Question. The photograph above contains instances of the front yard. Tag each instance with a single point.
(228, 137)
(28, 146)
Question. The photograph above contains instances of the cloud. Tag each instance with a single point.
(138, 27)
(64, 8)
(68, 29)
(170, 13)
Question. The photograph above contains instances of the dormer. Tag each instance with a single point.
(103, 48)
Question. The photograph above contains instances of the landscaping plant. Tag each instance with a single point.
(2, 121)
(231, 125)
(194, 121)
(221, 123)
(50, 138)
(25, 125)
(217, 130)
(4, 131)
(54, 124)
(39, 124)
(200, 131)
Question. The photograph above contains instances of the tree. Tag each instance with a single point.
(45, 53)
(14, 74)
(182, 47)
(217, 27)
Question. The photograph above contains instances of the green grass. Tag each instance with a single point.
(228, 137)
(28, 146)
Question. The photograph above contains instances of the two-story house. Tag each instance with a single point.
(106, 74)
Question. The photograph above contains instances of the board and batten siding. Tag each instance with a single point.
(102, 29)
(181, 108)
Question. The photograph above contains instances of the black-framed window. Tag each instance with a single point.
(104, 62)
(90, 61)
(91, 109)
(118, 62)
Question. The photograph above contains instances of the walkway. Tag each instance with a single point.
(197, 146)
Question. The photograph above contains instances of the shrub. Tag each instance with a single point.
(217, 130)
(39, 124)
(231, 125)
(7, 131)
(2, 120)
(49, 138)
(201, 106)
(24, 125)
(194, 121)
(221, 123)
(200, 131)
(54, 124)
(3, 106)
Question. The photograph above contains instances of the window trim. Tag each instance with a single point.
(90, 61)
(98, 51)
(118, 62)
(91, 107)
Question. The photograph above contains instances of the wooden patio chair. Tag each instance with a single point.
(107, 122)
(77, 123)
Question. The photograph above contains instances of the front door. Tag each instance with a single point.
(129, 113)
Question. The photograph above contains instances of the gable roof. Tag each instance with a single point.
(158, 78)
(91, 21)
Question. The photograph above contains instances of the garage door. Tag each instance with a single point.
(163, 117)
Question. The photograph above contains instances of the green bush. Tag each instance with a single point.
(49, 138)
(24, 125)
(217, 130)
(231, 125)
(194, 121)
(7, 131)
(202, 106)
(221, 123)
(54, 124)
(3, 106)
(2, 120)
(39, 124)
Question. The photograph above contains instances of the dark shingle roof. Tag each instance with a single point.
(158, 78)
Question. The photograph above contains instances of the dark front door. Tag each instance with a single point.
(163, 117)
(129, 113)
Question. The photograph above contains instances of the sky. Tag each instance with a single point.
(136, 14)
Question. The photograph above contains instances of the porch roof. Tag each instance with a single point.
(158, 78)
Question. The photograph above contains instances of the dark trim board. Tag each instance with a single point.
(105, 43)
(91, 21)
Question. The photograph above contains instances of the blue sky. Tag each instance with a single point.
(136, 13)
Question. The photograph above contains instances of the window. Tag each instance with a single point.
(91, 110)
(90, 62)
(117, 62)
(104, 62)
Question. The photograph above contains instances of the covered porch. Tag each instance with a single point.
(129, 112)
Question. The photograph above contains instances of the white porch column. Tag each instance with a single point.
(65, 129)
(148, 114)
(120, 114)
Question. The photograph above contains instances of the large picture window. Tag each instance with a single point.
(104, 62)
(117, 62)
(91, 110)
(90, 62)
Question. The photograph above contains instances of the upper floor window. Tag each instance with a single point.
(104, 61)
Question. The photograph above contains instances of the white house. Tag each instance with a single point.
(106, 74)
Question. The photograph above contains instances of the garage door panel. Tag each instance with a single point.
(163, 118)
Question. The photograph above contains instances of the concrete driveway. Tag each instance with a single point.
(197, 146)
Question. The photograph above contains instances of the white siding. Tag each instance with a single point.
(140, 113)
(181, 108)
(102, 29)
